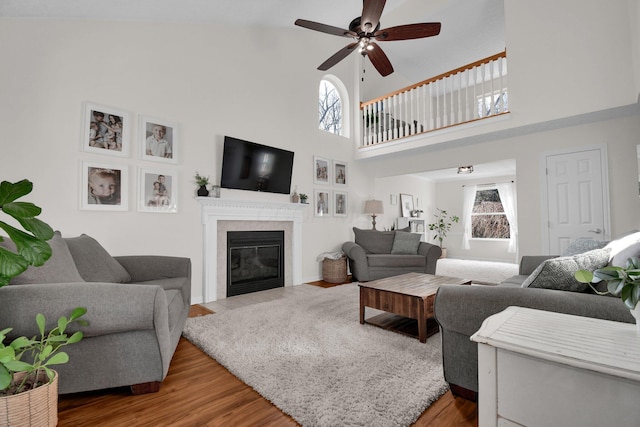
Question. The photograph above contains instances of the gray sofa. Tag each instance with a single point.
(460, 310)
(379, 254)
(137, 307)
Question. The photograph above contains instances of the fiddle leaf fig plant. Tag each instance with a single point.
(443, 224)
(31, 245)
(623, 282)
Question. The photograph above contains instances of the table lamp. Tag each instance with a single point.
(373, 208)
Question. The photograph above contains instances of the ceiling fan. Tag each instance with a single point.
(365, 29)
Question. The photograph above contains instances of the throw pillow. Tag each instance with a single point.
(623, 248)
(557, 273)
(373, 241)
(405, 243)
(60, 268)
(94, 262)
(582, 245)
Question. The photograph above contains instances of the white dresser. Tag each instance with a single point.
(538, 368)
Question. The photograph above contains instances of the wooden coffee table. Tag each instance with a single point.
(409, 295)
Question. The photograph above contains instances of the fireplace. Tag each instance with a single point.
(255, 261)
(220, 216)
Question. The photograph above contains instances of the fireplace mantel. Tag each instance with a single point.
(215, 209)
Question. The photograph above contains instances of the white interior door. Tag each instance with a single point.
(577, 198)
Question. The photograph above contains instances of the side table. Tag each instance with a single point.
(540, 368)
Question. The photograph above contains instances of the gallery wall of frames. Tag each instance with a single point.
(106, 131)
(330, 197)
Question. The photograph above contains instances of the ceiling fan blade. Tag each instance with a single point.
(323, 28)
(379, 60)
(338, 56)
(408, 32)
(371, 11)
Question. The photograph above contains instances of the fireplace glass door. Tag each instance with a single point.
(255, 261)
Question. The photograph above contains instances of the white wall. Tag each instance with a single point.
(620, 135)
(421, 190)
(260, 85)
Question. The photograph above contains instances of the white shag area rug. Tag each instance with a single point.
(479, 271)
(312, 358)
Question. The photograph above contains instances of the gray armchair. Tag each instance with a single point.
(379, 254)
(134, 327)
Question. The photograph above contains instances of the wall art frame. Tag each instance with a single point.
(322, 202)
(158, 140)
(321, 170)
(340, 203)
(157, 190)
(104, 187)
(106, 130)
(406, 203)
(340, 174)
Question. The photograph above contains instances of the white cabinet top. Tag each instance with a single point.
(599, 345)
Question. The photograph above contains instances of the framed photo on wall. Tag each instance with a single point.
(339, 173)
(106, 130)
(159, 140)
(322, 201)
(157, 191)
(406, 203)
(340, 203)
(104, 187)
(321, 170)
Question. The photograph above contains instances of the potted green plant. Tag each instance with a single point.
(28, 386)
(202, 182)
(441, 228)
(303, 198)
(623, 282)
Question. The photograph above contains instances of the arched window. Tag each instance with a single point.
(333, 106)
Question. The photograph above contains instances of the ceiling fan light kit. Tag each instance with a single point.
(366, 28)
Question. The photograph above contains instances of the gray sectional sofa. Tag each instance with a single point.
(544, 283)
(379, 254)
(137, 307)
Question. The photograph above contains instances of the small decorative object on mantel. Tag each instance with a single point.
(303, 198)
(623, 282)
(202, 182)
(295, 198)
(215, 191)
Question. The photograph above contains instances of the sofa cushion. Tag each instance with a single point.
(373, 241)
(582, 245)
(94, 262)
(558, 273)
(60, 268)
(405, 243)
(396, 261)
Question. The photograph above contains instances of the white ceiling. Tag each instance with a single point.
(471, 29)
(489, 170)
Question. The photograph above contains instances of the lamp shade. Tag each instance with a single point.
(373, 207)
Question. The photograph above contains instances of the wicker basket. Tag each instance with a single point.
(37, 407)
(334, 270)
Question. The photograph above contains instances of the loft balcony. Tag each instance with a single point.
(471, 93)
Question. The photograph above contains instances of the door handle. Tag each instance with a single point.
(597, 231)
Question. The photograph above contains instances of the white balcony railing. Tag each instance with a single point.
(473, 92)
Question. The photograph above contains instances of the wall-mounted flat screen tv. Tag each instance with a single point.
(250, 166)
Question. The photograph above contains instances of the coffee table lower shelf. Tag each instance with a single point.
(402, 325)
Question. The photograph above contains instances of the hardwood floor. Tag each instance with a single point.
(198, 391)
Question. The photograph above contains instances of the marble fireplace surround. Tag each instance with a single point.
(222, 215)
